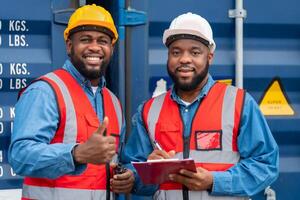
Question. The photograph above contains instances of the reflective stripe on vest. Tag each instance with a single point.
(154, 114)
(177, 195)
(78, 121)
(71, 123)
(116, 106)
(219, 113)
(45, 193)
(212, 156)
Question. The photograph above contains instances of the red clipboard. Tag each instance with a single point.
(157, 171)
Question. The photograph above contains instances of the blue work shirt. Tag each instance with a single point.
(35, 124)
(259, 157)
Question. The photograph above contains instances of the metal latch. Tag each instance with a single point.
(237, 13)
(132, 17)
(270, 193)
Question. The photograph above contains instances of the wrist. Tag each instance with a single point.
(211, 185)
(76, 155)
(209, 190)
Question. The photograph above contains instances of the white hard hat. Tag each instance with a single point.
(190, 26)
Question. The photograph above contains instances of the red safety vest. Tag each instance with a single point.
(213, 136)
(78, 121)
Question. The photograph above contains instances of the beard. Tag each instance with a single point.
(197, 79)
(90, 74)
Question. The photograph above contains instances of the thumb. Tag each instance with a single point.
(171, 153)
(102, 128)
(201, 169)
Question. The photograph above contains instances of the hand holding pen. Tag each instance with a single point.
(159, 153)
(157, 145)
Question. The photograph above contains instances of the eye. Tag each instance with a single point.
(85, 40)
(196, 53)
(104, 41)
(175, 53)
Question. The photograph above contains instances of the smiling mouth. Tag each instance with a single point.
(185, 68)
(185, 71)
(94, 60)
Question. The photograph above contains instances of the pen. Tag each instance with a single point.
(157, 145)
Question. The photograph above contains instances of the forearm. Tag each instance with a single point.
(30, 158)
(246, 178)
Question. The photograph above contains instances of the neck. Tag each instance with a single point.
(190, 96)
(95, 82)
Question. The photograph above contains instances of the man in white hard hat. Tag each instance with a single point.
(219, 126)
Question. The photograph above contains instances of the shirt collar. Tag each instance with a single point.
(79, 78)
(210, 82)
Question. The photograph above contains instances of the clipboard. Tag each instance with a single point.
(157, 171)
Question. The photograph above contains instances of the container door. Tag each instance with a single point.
(31, 44)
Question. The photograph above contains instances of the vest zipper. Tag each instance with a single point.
(186, 148)
(186, 152)
(107, 167)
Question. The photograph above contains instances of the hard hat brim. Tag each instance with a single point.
(92, 28)
(173, 38)
(170, 32)
(109, 26)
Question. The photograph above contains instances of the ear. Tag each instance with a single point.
(112, 50)
(210, 58)
(68, 46)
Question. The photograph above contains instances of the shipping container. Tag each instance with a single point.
(32, 44)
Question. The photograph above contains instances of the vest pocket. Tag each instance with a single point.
(92, 123)
(169, 136)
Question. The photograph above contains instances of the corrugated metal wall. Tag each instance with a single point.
(31, 44)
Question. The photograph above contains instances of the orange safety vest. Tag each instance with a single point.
(78, 121)
(213, 137)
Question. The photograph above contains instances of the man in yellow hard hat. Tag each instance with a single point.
(68, 125)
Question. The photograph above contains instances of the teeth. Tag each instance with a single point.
(93, 58)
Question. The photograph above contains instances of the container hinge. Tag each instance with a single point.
(132, 17)
(237, 13)
(62, 16)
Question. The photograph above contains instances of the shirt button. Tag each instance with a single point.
(186, 110)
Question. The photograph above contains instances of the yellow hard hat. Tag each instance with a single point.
(91, 17)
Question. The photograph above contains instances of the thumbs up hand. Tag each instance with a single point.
(101, 130)
(98, 149)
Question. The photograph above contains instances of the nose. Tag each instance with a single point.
(185, 58)
(94, 46)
